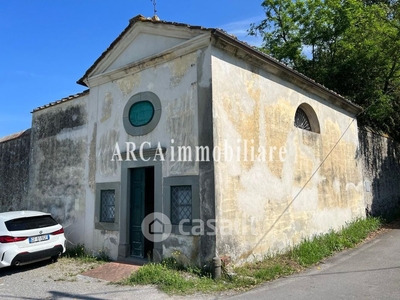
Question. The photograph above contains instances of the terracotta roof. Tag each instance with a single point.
(15, 135)
(71, 97)
(255, 51)
(223, 34)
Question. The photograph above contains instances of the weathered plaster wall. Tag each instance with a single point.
(265, 206)
(381, 168)
(58, 173)
(175, 83)
(14, 172)
(206, 168)
(200, 249)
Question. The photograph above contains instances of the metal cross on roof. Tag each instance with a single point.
(155, 6)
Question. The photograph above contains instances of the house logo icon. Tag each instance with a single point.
(156, 227)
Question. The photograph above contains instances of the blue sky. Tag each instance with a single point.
(47, 45)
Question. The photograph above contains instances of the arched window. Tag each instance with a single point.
(306, 118)
(301, 120)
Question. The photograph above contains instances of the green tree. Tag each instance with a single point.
(350, 46)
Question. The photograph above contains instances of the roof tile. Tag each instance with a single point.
(65, 99)
(15, 135)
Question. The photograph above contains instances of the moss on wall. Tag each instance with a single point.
(14, 172)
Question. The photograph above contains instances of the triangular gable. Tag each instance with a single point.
(142, 38)
(143, 45)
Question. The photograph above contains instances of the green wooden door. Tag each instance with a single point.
(137, 211)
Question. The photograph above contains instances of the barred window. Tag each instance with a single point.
(107, 210)
(306, 118)
(301, 120)
(181, 204)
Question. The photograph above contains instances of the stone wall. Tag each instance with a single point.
(59, 163)
(14, 171)
(381, 169)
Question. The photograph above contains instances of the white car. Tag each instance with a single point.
(29, 236)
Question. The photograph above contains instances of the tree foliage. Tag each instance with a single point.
(350, 46)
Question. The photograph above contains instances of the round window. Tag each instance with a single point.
(141, 113)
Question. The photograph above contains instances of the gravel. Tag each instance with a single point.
(62, 280)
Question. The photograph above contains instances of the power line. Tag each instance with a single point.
(304, 185)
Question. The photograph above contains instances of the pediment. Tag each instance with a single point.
(144, 45)
(137, 42)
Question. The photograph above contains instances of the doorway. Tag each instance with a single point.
(141, 204)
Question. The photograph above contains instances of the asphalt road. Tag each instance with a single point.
(372, 271)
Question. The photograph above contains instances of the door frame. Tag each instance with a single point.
(124, 223)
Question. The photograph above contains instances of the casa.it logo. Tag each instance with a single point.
(156, 227)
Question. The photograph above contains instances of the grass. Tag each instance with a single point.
(173, 278)
(173, 281)
(79, 252)
(311, 251)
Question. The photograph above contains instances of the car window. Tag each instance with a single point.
(30, 223)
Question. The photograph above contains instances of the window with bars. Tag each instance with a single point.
(306, 118)
(107, 209)
(301, 120)
(181, 204)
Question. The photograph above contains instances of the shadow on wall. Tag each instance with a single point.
(381, 169)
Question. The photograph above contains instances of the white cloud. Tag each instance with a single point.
(239, 29)
(22, 73)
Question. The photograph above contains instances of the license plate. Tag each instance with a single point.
(39, 238)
